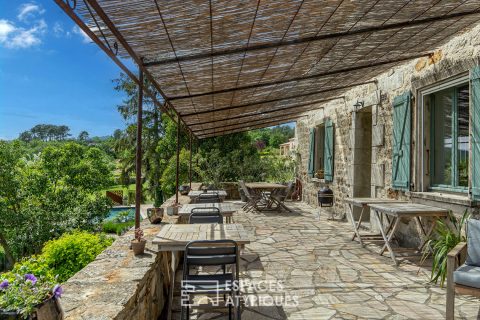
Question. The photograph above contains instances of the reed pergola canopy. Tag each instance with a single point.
(232, 65)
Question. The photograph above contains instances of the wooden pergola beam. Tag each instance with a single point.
(256, 113)
(250, 104)
(250, 121)
(337, 35)
(308, 77)
(248, 128)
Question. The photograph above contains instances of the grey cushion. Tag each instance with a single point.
(468, 276)
(473, 242)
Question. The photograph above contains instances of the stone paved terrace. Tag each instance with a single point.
(332, 277)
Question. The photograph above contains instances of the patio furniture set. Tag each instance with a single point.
(206, 241)
(263, 196)
(463, 262)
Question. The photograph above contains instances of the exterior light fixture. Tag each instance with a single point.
(358, 104)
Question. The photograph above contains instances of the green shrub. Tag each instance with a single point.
(63, 257)
(72, 251)
(117, 227)
(36, 265)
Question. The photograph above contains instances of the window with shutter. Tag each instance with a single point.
(311, 155)
(475, 147)
(401, 142)
(328, 150)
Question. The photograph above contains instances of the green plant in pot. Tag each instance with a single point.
(138, 244)
(24, 296)
(447, 234)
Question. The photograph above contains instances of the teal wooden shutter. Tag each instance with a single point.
(311, 155)
(328, 150)
(475, 140)
(401, 142)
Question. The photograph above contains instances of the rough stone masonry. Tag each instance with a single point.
(456, 57)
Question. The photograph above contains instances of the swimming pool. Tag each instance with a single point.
(116, 210)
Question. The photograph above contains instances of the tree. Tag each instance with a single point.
(45, 132)
(83, 136)
(26, 136)
(45, 195)
(158, 137)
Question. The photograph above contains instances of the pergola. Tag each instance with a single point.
(225, 66)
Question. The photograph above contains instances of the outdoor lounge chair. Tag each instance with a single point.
(205, 215)
(211, 253)
(208, 198)
(463, 267)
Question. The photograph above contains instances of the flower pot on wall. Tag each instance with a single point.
(138, 246)
(50, 309)
(155, 215)
(184, 190)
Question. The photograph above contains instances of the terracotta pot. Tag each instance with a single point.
(50, 309)
(138, 247)
(155, 215)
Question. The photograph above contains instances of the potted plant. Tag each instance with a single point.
(28, 297)
(138, 244)
(447, 234)
(155, 214)
(184, 189)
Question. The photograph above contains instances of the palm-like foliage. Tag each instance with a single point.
(448, 233)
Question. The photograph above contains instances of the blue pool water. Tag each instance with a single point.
(115, 211)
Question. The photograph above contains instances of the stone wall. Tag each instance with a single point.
(119, 285)
(457, 56)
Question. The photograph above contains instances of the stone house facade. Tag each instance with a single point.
(431, 105)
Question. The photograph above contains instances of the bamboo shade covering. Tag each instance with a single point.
(234, 65)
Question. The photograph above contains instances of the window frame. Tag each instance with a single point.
(454, 82)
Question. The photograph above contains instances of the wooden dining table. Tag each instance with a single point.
(394, 212)
(227, 209)
(173, 238)
(265, 190)
(364, 203)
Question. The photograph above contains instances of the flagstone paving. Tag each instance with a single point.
(315, 272)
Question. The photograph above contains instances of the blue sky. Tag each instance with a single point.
(50, 73)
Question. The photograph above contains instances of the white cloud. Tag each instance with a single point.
(58, 30)
(81, 33)
(28, 11)
(13, 37)
(6, 28)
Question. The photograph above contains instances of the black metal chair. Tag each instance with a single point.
(211, 253)
(210, 197)
(205, 215)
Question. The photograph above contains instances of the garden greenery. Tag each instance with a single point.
(63, 257)
(45, 194)
(37, 278)
(444, 239)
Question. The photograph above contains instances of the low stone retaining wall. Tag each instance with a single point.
(119, 285)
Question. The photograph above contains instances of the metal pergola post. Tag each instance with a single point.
(178, 161)
(138, 160)
(190, 168)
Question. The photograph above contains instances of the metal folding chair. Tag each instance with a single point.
(205, 215)
(211, 253)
